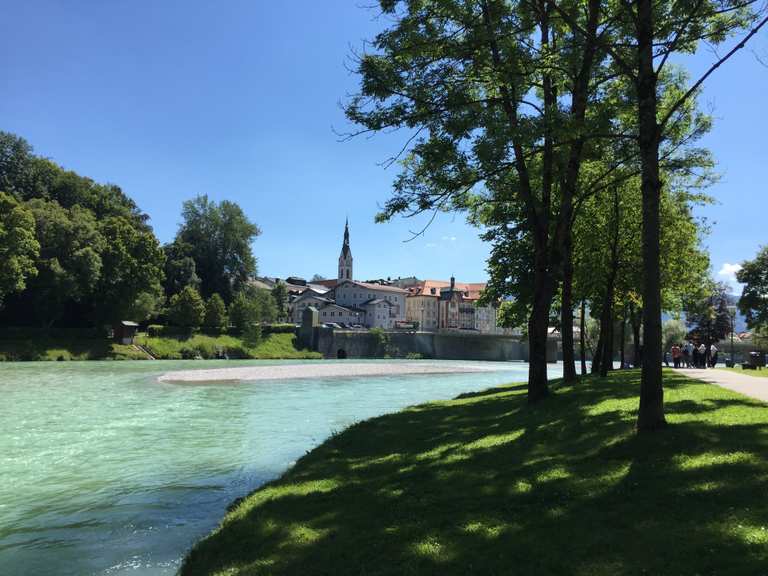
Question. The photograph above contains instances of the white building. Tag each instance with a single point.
(383, 305)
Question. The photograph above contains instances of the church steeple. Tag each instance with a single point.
(345, 259)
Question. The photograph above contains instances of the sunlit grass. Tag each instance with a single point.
(759, 373)
(486, 484)
(273, 346)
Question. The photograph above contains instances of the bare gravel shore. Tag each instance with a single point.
(340, 369)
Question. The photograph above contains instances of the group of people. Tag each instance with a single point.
(689, 355)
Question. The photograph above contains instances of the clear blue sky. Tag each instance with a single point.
(238, 99)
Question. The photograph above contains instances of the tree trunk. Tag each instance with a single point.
(623, 339)
(538, 325)
(651, 414)
(566, 312)
(583, 338)
(635, 321)
(597, 355)
(606, 332)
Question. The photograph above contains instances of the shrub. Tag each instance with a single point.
(216, 313)
(252, 335)
(187, 308)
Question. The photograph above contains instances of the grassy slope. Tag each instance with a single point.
(66, 349)
(488, 485)
(271, 346)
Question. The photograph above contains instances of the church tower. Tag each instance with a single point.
(345, 259)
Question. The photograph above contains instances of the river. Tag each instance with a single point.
(105, 470)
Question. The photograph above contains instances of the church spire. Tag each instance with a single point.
(345, 259)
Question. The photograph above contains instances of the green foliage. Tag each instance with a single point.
(217, 237)
(270, 346)
(252, 335)
(186, 308)
(708, 318)
(252, 305)
(98, 260)
(484, 484)
(754, 296)
(280, 296)
(147, 305)
(216, 313)
(180, 269)
(673, 331)
(18, 246)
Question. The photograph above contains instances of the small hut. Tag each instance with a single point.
(125, 332)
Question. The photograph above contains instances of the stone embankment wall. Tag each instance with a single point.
(441, 345)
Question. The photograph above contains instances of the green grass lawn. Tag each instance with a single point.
(759, 373)
(486, 484)
(45, 348)
(272, 346)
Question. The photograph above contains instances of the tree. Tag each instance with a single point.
(187, 308)
(495, 95)
(754, 296)
(132, 264)
(18, 246)
(69, 266)
(180, 269)
(216, 313)
(218, 238)
(280, 296)
(98, 259)
(146, 305)
(252, 305)
(674, 332)
(317, 278)
(708, 318)
(640, 37)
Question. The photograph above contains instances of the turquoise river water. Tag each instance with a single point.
(104, 470)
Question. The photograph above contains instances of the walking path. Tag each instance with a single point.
(747, 385)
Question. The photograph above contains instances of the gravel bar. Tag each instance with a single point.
(340, 369)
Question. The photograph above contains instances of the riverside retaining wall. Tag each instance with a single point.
(334, 343)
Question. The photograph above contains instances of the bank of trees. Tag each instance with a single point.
(78, 253)
(564, 130)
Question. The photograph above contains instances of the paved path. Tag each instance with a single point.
(752, 386)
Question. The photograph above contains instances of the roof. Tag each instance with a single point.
(326, 283)
(129, 323)
(473, 289)
(381, 287)
(373, 301)
(309, 294)
(345, 308)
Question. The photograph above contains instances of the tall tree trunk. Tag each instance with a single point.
(622, 341)
(538, 325)
(651, 414)
(634, 320)
(566, 312)
(606, 332)
(597, 354)
(583, 338)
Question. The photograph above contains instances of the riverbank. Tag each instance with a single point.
(485, 484)
(272, 346)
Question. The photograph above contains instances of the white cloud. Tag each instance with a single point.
(728, 271)
(431, 245)
(448, 238)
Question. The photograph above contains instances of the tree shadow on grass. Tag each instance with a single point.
(490, 485)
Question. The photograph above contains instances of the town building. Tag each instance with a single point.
(349, 302)
(451, 305)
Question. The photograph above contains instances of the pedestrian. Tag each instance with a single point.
(676, 355)
(703, 355)
(686, 354)
(695, 356)
(713, 355)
